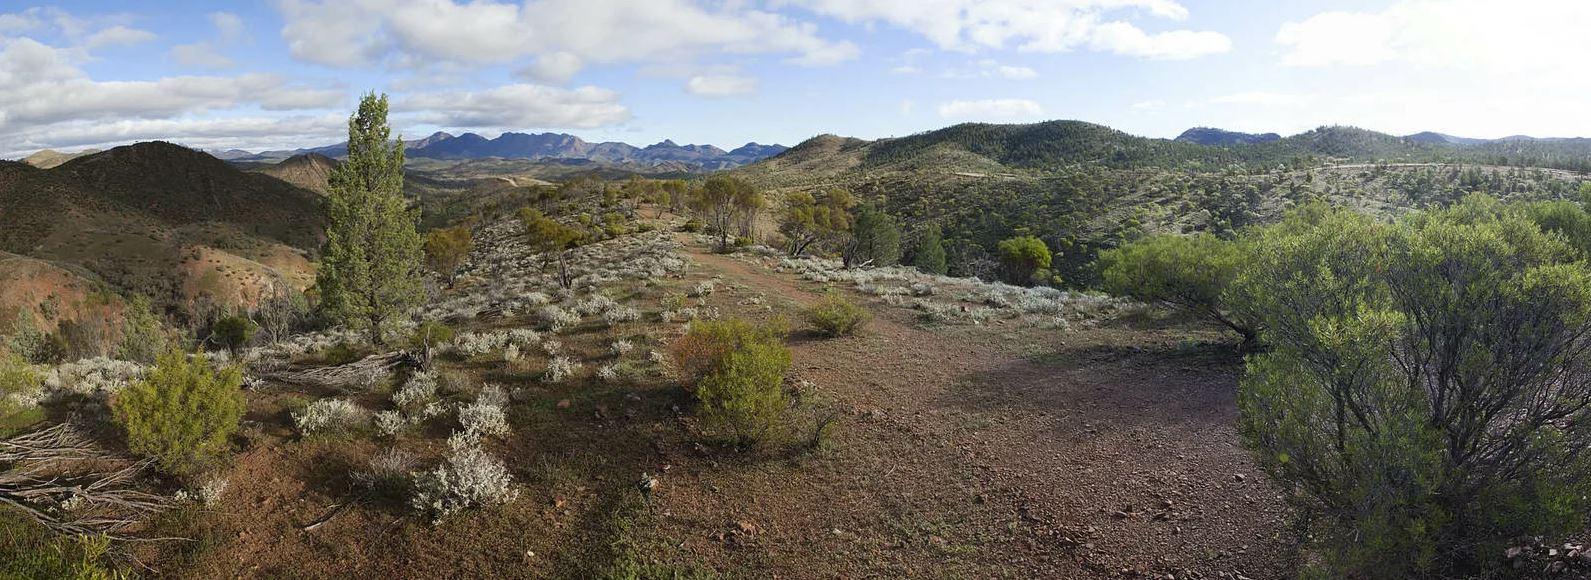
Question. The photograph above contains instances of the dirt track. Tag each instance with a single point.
(1023, 453)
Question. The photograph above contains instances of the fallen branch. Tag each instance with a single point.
(57, 477)
(354, 374)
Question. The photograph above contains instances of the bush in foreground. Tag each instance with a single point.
(471, 478)
(737, 370)
(1427, 395)
(833, 315)
(182, 412)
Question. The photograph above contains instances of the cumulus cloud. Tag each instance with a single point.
(1053, 26)
(556, 68)
(991, 110)
(721, 85)
(519, 106)
(46, 98)
(1522, 35)
(991, 69)
(208, 54)
(348, 33)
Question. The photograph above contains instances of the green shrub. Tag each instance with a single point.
(929, 257)
(1022, 259)
(29, 550)
(833, 315)
(17, 378)
(233, 331)
(143, 337)
(182, 412)
(428, 334)
(1423, 402)
(746, 394)
(737, 371)
(692, 225)
(1188, 273)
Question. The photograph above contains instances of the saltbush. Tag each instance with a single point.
(182, 412)
(470, 478)
(333, 417)
(833, 315)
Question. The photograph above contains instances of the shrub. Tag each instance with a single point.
(182, 412)
(389, 475)
(143, 338)
(20, 383)
(334, 417)
(1424, 400)
(470, 479)
(559, 369)
(738, 374)
(30, 550)
(428, 335)
(835, 316)
(483, 419)
(1187, 273)
(746, 394)
(929, 257)
(692, 225)
(233, 332)
(705, 345)
(1022, 259)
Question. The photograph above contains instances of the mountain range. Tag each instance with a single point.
(533, 146)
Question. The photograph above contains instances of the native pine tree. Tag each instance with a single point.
(370, 268)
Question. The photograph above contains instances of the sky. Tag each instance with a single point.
(279, 74)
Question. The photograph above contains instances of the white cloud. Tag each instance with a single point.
(1048, 26)
(1016, 72)
(1515, 36)
(1149, 105)
(208, 54)
(556, 68)
(721, 85)
(905, 70)
(117, 36)
(348, 33)
(225, 132)
(518, 106)
(906, 107)
(991, 110)
(45, 98)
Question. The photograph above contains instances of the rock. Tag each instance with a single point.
(1239, 477)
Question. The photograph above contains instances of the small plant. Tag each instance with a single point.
(483, 419)
(334, 417)
(182, 413)
(737, 372)
(835, 316)
(428, 335)
(703, 289)
(560, 368)
(389, 475)
(470, 478)
(233, 332)
(621, 347)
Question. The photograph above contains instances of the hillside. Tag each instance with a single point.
(177, 225)
(1221, 137)
(310, 171)
(48, 158)
(1083, 187)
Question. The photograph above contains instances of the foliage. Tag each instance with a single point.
(29, 550)
(34, 344)
(875, 239)
(1427, 395)
(19, 380)
(370, 268)
(738, 370)
(445, 250)
(929, 254)
(143, 337)
(331, 417)
(234, 331)
(470, 478)
(833, 315)
(182, 412)
(552, 240)
(1024, 260)
(428, 335)
(1189, 273)
(819, 220)
(720, 201)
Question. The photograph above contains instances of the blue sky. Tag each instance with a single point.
(285, 73)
